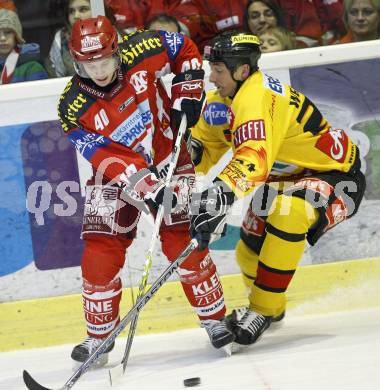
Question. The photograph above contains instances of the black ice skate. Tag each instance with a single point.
(251, 326)
(82, 351)
(218, 332)
(237, 314)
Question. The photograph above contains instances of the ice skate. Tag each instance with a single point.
(250, 327)
(237, 314)
(82, 351)
(220, 336)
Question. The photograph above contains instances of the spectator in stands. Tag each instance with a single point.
(362, 18)
(133, 14)
(163, 22)
(8, 4)
(277, 39)
(330, 14)
(314, 22)
(59, 62)
(262, 14)
(207, 18)
(19, 61)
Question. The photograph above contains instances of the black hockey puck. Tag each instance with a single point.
(191, 382)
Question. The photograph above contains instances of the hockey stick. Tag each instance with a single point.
(31, 384)
(117, 371)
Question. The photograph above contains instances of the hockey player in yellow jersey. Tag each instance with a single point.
(304, 175)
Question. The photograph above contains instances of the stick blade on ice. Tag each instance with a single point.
(31, 384)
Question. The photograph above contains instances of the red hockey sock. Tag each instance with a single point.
(204, 290)
(101, 307)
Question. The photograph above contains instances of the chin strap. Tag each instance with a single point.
(239, 82)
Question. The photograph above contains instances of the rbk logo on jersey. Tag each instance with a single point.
(250, 131)
(139, 81)
(334, 143)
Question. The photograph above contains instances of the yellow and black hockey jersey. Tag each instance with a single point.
(275, 132)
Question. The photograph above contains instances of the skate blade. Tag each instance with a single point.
(276, 325)
(236, 348)
(227, 350)
(115, 374)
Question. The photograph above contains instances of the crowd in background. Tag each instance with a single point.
(280, 25)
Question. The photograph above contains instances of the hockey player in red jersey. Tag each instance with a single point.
(118, 115)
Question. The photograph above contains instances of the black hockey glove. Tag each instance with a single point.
(194, 147)
(188, 96)
(196, 151)
(208, 213)
(188, 140)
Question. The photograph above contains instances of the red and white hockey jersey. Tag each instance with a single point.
(125, 126)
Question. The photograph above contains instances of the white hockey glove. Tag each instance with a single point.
(208, 213)
(147, 185)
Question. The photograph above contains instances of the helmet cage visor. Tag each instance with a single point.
(109, 67)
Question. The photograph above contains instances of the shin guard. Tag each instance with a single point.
(101, 307)
(203, 289)
(248, 261)
(280, 254)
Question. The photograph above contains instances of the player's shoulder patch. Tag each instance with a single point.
(140, 45)
(71, 90)
(87, 143)
(72, 104)
(273, 84)
(173, 42)
(136, 36)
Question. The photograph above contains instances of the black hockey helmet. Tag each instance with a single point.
(234, 48)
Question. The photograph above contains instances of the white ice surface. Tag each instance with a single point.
(336, 351)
